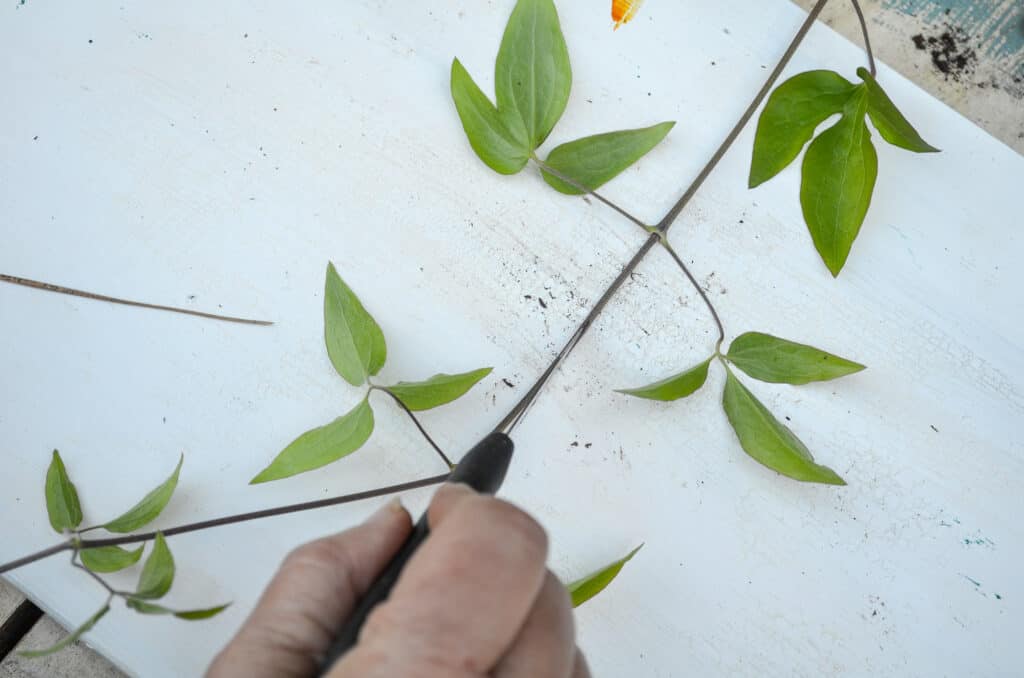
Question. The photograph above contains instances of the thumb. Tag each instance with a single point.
(315, 589)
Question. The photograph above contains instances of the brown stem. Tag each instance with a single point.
(226, 520)
(415, 420)
(515, 415)
(33, 557)
(700, 290)
(867, 38)
(583, 189)
(80, 566)
(266, 513)
(35, 284)
(664, 241)
(517, 412)
(812, 16)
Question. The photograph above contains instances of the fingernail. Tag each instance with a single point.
(387, 511)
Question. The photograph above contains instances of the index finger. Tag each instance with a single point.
(315, 589)
(464, 595)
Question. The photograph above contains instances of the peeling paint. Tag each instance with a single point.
(996, 25)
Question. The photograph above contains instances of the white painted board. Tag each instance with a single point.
(216, 155)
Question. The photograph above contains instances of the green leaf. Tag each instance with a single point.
(888, 120)
(158, 571)
(68, 639)
(354, 341)
(584, 589)
(594, 160)
(322, 445)
(779, 361)
(789, 119)
(191, 615)
(149, 507)
(440, 389)
(497, 137)
(109, 558)
(838, 177)
(532, 74)
(675, 387)
(61, 497)
(769, 442)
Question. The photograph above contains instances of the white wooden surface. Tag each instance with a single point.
(228, 150)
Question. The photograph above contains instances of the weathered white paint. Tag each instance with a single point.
(176, 157)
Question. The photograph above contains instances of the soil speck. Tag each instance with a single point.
(951, 51)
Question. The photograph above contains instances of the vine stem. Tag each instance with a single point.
(225, 520)
(580, 187)
(867, 38)
(515, 415)
(415, 420)
(683, 201)
(38, 555)
(96, 577)
(700, 290)
(648, 229)
(49, 287)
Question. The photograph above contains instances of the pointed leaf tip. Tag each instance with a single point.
(889, 121)
(532, 74)
(675, 387)
(68, 639)
(592, 161)
(497, 137)
(767, 440)
(582, 590)
(355, 342)
(62, 505)
(191, 615)
(321, 446)
(781, 361)
(837, 181)
(438, 390)
(149, 507)
(158, 571)
(109, 558)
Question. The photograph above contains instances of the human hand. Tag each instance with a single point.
(475, 601)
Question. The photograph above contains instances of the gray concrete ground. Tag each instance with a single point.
(77, 661)
(968, 54)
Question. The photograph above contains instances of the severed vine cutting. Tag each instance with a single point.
(533, 80)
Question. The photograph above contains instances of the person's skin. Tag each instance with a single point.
(476, 600)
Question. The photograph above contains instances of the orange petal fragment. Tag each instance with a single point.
(623, 11)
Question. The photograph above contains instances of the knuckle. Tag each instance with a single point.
(313, 552)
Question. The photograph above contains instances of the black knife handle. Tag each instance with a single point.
(483, 468)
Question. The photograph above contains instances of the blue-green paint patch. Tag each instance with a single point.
(978, 589)
(997, 26)
(979, 541)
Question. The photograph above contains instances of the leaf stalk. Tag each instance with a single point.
(226, 520)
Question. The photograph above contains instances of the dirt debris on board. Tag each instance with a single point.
(951, 50)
